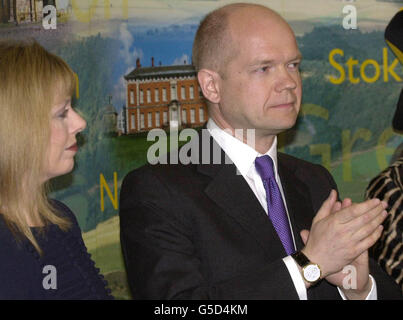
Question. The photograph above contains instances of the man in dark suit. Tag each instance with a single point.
(266, 225)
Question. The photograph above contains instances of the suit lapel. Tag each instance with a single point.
(297, 197)
(233, 195)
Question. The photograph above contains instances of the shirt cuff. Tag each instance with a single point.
(372, 295)
(296, 277)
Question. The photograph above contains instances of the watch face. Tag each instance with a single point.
(311, 272)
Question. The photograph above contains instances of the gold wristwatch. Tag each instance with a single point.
(310, 271)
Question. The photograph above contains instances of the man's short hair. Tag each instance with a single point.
(212, 44)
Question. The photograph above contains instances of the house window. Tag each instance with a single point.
(164, 94)
(201, 114)
(173, 93)
(183, 93)
(184, 116)
(149, 120)
(157, 95)
(192, 116)
(133, 122)
(157, 119)
(131, 97)
(141, 96)
(142, 121)
(165, 117)
(148, 95)
(191, 92)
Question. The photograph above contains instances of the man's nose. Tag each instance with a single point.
(285, 80)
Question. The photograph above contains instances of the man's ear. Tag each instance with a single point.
(209, 84)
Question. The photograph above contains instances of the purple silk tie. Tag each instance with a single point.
(275, 204)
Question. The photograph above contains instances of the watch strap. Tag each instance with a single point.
(301, 258)
(305, 263)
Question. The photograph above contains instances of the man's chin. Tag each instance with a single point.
(275, 129)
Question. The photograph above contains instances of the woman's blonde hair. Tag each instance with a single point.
(31, 80)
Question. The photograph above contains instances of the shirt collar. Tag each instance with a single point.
(241, 154)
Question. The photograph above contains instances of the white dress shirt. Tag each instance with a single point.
(243, 156)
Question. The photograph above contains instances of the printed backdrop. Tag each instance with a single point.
(351, 83)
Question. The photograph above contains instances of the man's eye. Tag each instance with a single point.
(263, 69)
(294, 65)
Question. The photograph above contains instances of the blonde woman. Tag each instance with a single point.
(42, 252)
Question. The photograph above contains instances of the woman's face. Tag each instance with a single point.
(65, 123)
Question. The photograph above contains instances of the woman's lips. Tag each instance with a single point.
(74, 148)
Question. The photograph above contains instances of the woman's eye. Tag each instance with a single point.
(64, 114)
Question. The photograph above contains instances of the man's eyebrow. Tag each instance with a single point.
(260, 62)
(297, 57)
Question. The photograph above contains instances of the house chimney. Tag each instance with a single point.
(152, 61)
(138, 65)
